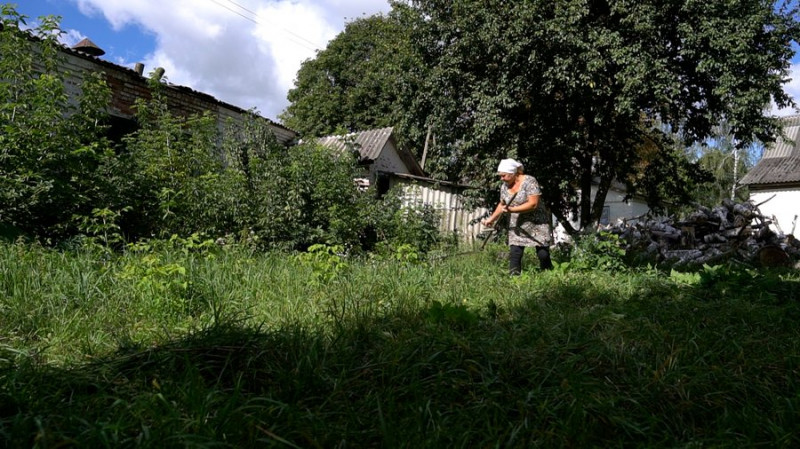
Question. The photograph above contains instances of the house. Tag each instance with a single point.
(128, 85)
(775, 180)
(379, 153)
(387, 165)
(618, 208)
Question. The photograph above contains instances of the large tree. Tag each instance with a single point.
(364, 79)
(727, 162)
(587, 91)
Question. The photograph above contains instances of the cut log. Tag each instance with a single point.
(773, 256)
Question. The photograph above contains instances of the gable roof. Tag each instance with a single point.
(370, 144)
(780, 163)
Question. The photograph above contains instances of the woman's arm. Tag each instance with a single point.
(531, 204)
(498, 211)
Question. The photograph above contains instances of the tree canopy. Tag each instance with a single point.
(358, 82)
(584, 92)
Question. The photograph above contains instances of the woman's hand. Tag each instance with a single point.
(487, 222)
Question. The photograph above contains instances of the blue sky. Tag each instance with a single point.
(130, 42)
(245, 52)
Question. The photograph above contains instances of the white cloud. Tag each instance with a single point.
(245, 52)
(71, 37)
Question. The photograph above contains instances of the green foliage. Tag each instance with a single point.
(306, 196)
(580, 90)
(52, 150)
(364, 79)
(162, 281)
(400, 223)
(326, 262)
(455, 315)
(723, 281)
(101, 228)
(60, 180)
(671, 180)
(728, 164)
(165, 346)
(407, 253)
(175, 171)
(600, 250)
(253, 190)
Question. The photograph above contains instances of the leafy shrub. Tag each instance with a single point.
(326, 262)
(51, 149)
(402, 224)
(600, 250)
(61, 180)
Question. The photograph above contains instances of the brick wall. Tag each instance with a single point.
(127, 86)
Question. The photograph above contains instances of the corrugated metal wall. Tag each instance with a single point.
(449, 203)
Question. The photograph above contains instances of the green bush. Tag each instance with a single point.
(399, 223)
(598, 250)
(62, 182)
(52, 149)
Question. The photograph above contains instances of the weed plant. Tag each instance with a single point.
(176, 345)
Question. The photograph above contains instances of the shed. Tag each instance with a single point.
(775, 180)
(378, 150)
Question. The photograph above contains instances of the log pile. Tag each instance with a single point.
(731, 231)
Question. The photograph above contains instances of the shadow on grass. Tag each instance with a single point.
(572, 366)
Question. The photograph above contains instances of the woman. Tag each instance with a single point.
(529, 223)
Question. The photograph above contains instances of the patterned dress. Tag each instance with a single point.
(530, 228)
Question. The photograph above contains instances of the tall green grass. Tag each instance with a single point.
(228, 348)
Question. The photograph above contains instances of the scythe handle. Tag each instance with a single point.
(494, 229)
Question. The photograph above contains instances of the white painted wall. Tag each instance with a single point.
(784, 205)
(619, 209)
(388, 161)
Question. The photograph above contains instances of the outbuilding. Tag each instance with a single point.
(775, 180)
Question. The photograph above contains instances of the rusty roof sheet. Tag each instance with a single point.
(781, 161)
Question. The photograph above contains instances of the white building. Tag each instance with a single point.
(775, 180)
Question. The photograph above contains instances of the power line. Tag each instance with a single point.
(273, 23)
(256, 19)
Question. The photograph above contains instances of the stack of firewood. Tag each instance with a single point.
(731, 231)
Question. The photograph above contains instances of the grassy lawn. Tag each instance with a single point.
(193, 348)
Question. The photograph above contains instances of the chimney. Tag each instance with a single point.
(158, 73)
(88, 47)
(139, 68)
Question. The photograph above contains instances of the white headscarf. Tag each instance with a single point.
(508, 166)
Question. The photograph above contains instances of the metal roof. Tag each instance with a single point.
(785, 147)
(368, 143)
(781, 161)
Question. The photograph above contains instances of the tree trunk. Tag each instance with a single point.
(586, 193)
(599, 200)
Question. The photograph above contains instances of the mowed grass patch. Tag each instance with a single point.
(241, 349)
